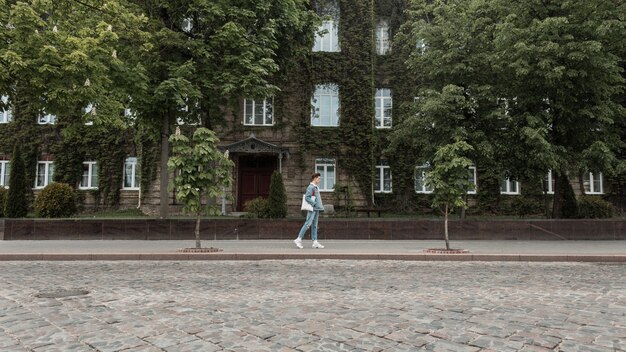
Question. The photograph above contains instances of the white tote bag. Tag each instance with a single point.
(305, 205)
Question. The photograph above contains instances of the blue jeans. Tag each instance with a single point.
(311, 221)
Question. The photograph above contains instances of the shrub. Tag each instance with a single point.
(594, 208)
(277, 200)
(56, 200)
(569, 208)
(256, 207)
(16, 204)
(524, 206)
(3, 199)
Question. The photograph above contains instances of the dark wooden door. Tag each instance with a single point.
(255, 175)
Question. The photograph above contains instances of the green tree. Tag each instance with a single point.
(449, 179)
(277, 200)
(59, 57)
(546, 75)
(561, 61)
(202, 172)
(16, 205)
(209, 54)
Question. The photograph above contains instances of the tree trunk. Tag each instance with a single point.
(197, 231)
(164, 177)
(446, 227)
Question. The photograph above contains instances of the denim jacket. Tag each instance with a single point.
(313, 190)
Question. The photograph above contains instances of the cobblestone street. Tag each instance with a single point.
(312, 305)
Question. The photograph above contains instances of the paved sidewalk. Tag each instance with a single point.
(555, 251)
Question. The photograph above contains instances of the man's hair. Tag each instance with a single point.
(317, 174)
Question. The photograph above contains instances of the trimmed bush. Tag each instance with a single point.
(594, 208)
(16, 204)
(569, 208)
(277, 200)
(524, 206)
(56, 200)
(256, 207)
(3, 199)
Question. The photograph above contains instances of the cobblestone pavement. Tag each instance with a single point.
(312, 305)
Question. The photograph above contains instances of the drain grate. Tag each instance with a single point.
(61, 293)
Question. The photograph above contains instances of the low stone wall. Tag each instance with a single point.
(284, 229)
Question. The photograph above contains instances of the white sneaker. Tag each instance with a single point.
(317, 245)
(298, 243)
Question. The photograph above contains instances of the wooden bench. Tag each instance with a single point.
(371, 210)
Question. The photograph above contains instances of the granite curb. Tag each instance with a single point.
(466, 257)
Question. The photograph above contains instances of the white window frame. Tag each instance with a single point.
(383, 42)
(6, 116)
(90, 110)
(325, 93)
(5, 171)
(92, 172)
(420, 175)
(187, 24)
(46, 119)
(131, 162)
(380, 177)
(328, 41)
(549, 182)
(48, 172)
(384, 113)
(589, 179)
(473, 180)
(323, 165)
(267, 108)
(507, 183)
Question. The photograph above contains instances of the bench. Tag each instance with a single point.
(371, 210)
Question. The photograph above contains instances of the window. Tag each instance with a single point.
(509, 187)
(325, 102)
(548, 183)
(45, 170)
(90, 175)
(593, 183)
(326, 168)
(47, 119)
(5, 114)
(383, 44)
(472, 180)
(187, 25)
(88, 111)
(328, 40)
(421, 46)
(383, 105)
(131, 174)
(382, 181)
(258, 112)
(5, 171)
(421, 185)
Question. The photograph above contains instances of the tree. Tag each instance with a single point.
(202, 172)
(16, 205)
(58, 58)
(449, 179)
(544, 74)
(277, 200)
(209, 54)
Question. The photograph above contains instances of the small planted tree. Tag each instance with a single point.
(277, 200)
(449, 179)
(202, 172)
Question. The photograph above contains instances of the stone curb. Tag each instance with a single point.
(293, 256)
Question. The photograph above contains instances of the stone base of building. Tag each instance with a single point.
(285, 229)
